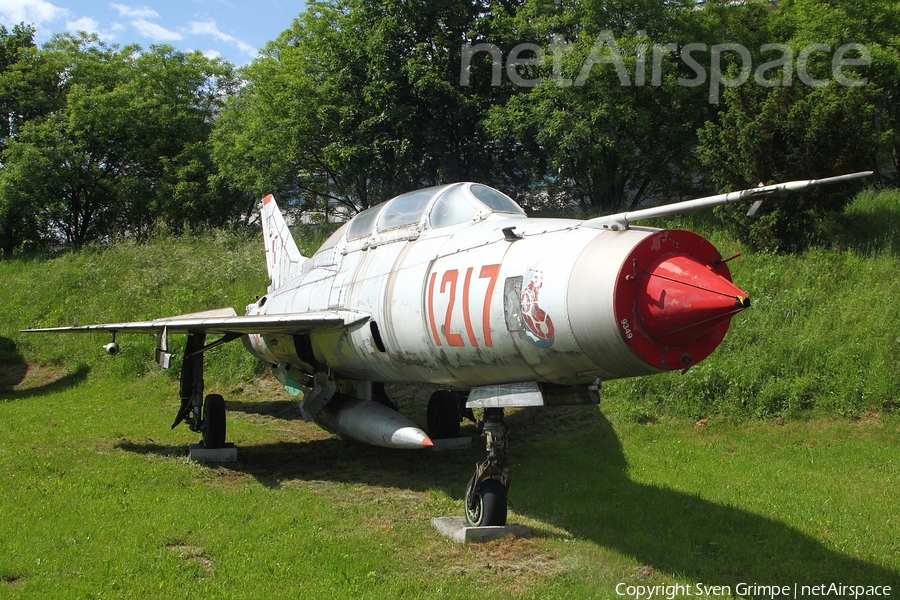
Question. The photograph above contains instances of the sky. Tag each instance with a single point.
(232, 29)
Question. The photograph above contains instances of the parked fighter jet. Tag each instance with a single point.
(454, 285)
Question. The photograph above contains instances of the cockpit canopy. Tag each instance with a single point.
(433, 208)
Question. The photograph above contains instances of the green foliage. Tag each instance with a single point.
(870, 225)
(784, 134)
(100, 500)
(649, 497)
(29, 81)
(777, 132)
(820, 336)
(125, 146)
(606, 141)
(311, 236)
(28, 89)
(355, 103)
(595, 107)
(358, 102)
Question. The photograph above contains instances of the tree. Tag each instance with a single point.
(125, 149)
(609, 115)
(177, 97)
(358, 102)
(29, 81)
(798, 131)
(29, 85)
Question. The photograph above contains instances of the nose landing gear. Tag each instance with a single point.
(486, 492)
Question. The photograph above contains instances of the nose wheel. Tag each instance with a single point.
(486, 506)
(487, 489)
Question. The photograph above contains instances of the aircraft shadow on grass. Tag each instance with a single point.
(670, 531)
(872, 231)
(14, 368)
(280, 409)
(681, 533)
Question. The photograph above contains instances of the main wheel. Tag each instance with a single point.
(490, 506)
(443, 415)
(214, 421)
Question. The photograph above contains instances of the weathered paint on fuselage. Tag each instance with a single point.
(448, 305)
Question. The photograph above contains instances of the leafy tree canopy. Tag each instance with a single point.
(778, 132)
(116, 145)
(590, 106)
(359, 101)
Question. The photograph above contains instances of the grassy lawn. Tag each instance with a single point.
(98, 499)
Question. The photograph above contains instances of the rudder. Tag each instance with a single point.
(283, 258)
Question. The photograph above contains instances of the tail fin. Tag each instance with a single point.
(283, 259)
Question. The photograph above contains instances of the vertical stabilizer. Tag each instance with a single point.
(283, 259)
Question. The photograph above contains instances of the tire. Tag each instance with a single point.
(443, 415)
(490, 509)
(214, 421)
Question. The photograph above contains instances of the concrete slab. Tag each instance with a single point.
(456, 529)
(451, 444)
(226, 454)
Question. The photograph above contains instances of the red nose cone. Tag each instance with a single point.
(681, 300)
(674, 299)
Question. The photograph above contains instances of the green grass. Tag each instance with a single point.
(99, 500)
(128, 282)
(791, 479)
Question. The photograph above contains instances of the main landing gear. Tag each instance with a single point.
(444, 415)
(213, 427)
(203, 416)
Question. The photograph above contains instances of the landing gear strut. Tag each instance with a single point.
(191, 390)
(486, 492)
(203, 417)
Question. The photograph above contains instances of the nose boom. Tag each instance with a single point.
(680, 300)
